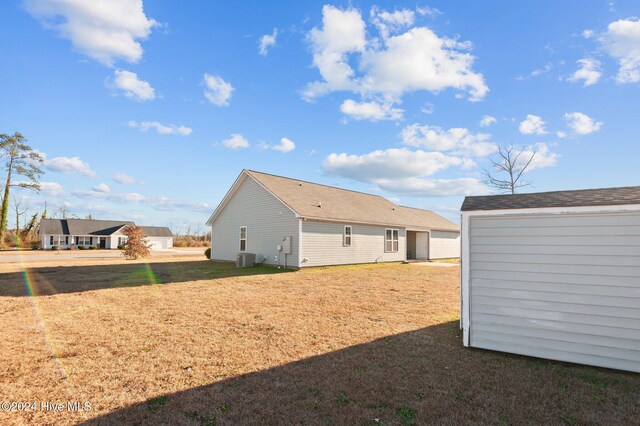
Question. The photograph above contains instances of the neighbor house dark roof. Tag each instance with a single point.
(321, 202)
(156, 231)
(576, 198)
(95, 227)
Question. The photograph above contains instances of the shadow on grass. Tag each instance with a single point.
(45, 281)
(418, 377)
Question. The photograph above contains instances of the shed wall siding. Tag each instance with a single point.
(267, 221)
(322, 244)
(444, 245)
(562, 286)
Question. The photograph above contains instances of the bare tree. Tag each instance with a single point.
(513, 162)
(17, 208)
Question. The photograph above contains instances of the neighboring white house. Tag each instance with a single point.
(554, 275)
(102, 234)
(306, 224)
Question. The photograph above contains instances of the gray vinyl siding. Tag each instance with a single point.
(267, 221)
(322, 244)
(562, 286)
(443, 245)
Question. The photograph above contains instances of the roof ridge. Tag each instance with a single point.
(415, 208)
(320, 184)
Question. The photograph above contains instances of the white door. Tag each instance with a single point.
(422, 245)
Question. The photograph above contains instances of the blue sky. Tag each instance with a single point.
(150, 111)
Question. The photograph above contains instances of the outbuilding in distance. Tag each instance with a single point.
(554, 275)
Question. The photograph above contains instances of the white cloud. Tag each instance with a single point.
(105, 30)
(589, 72)
(414, 60)
(621, 41)
(487, 120)
(236, 141)
(159, 203)
(428, 11)
(535, 73)
(132, 86)
(160, 128)
(390, 164)
(420, 187)
(125, 179)
(102, 187)
(457, 141)
(543, 157)
(532, 125)
(343, 32)
(372, 111)
(69, 165)
(268, 41)
(587, 34)
(581, 124)
(52, 189)
(391, 22)
(217, 91)
(285, 145)
(561, 134)
(420, 60)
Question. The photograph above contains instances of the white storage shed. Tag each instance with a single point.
(554, 275)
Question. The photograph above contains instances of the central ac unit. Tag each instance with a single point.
(245, 260)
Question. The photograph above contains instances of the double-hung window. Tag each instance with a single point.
(391, 240)
(243, 238)
(346, 240)
(84, 241)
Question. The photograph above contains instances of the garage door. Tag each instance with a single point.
(157, 244)
(562, 286)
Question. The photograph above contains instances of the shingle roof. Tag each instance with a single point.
(81, 226)
(576, 198)
(96, 227)
(315, 201)
(156, 231)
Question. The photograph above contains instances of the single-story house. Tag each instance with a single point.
(307, 224)
(103, 234)
(554, 275)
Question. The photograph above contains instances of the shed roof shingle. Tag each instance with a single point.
(574, 198)
(316, 201)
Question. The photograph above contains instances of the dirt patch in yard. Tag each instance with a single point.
(375, 344)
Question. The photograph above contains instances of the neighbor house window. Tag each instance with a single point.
(243, 238)
(51, 240)
(55, 240)
(391, 240)
(66, 240)
(84, 241)
(346, 241)
(122, 240)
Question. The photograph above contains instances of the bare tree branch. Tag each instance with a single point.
(509, 162)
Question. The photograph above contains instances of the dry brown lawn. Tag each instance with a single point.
(362, 345)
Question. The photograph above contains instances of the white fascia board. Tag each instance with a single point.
(553, 210)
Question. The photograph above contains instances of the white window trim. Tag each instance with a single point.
(344, 236)
(397, 250)
(246, 239)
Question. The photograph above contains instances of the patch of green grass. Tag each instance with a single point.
(592, 378)
(202, 421)
(155, 404)
(596, 396)
(360, 370)
(313, 390)
(461, 397)
(421, 395)
(224, 409)
(571, 420)
(381, 406)
(407, 414)
(343, 399)
(503, 420)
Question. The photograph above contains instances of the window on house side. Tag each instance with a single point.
(347, 236)
(243, 238)
(391, 240)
